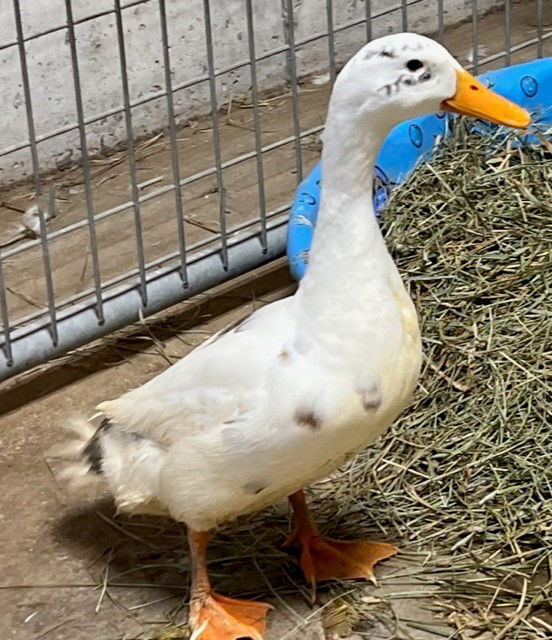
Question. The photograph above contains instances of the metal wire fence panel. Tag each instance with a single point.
(151, 147)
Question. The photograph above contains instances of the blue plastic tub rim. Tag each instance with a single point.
(413, 141)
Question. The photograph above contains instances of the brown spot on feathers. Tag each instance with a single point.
(307, 418)
(370, 396)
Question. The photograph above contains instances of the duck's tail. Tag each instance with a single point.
(124, 463)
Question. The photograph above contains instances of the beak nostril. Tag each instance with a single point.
(484, 103)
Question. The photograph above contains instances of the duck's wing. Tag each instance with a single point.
(222, 380)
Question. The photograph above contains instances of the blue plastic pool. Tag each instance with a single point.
(529, 85)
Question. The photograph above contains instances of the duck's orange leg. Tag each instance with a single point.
(324, 558)
(216, 617)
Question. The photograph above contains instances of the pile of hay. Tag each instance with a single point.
(463, 482)
(467, 473)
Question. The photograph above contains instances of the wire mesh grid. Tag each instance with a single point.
(193, 185)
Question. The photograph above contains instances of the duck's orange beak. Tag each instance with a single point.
(474, 99)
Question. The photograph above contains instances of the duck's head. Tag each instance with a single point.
(405, 75)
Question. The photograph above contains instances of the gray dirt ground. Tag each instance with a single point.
(54, 546)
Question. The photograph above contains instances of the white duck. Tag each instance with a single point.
(283, 398)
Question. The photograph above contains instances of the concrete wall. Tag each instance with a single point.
(52, 83)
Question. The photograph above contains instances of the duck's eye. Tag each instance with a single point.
(414, 65)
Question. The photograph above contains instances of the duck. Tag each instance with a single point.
(283, 397)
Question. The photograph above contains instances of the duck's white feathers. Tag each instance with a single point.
(107, 459)
(219, 382)
(215, 422)
(252, 415)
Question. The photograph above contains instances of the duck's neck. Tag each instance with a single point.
(348, 258)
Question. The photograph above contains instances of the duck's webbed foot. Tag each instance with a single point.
(216, 617)
(324, 558)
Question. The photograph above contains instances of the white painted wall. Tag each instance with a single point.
(52, 83)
